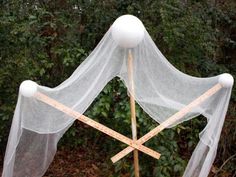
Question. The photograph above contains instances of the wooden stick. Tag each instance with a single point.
(177, 116)
(94, 124)
(132, 109)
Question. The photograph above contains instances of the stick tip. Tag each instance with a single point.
(28, 88)
(113, 160)
(128, 31)
(226, 80)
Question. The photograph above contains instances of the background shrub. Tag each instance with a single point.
(46, 40)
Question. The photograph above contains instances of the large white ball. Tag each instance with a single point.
(127, 31)
(226, 80)
(28, 88)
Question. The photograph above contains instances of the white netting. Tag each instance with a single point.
(160, 89)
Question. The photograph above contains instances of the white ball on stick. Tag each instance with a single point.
(127, 31)
(28, 88)
(226, 80)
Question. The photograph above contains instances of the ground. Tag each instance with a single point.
(77, 162)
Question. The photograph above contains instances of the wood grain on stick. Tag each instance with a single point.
(132, 109)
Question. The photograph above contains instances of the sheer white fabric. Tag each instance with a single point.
(160, 89)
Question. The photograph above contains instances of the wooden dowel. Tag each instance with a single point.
(133, 114)
(94, 124)
(177, 116)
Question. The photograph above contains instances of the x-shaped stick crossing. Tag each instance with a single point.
(131, 143)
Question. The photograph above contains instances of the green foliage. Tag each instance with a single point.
(46, 40)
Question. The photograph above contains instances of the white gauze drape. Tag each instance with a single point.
(160, 89)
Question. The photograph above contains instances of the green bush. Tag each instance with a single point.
(46, 40)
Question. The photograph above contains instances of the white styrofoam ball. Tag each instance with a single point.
(28, 88)
(226, 80)
(127, 31)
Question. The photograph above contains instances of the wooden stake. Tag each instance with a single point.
(132, 109)
(177, 116)
(94, 124)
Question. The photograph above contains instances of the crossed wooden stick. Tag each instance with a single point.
(132, 144)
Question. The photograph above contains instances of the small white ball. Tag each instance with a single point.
(127, 31)
(226, 80)
(28, 88)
